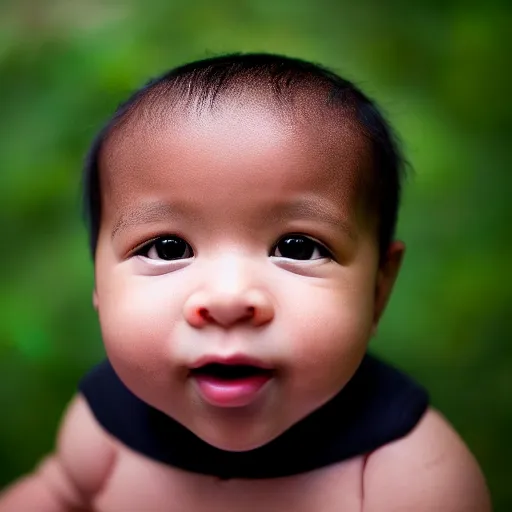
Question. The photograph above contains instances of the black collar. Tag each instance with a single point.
(378, 405)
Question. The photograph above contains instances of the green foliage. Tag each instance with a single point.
(440, 71)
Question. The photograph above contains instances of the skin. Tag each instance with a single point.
(223, 182)
(310, 317)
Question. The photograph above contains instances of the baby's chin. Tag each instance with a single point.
(240, 438)
(236, 431)
(243, 429)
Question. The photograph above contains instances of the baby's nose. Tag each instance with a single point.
(251, 306)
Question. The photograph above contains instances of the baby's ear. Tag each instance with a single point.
(95, 299)
(386, 278)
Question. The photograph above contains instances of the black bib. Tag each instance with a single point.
(380, 404)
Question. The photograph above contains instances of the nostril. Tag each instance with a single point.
(203, 313)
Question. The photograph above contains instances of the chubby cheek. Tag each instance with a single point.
(137, 324)
(330, 333)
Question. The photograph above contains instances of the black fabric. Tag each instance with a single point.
(378, 405)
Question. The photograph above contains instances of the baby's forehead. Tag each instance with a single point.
(244, 142)
(305, 122)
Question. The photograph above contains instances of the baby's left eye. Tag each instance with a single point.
(166, 248)
(300, 247)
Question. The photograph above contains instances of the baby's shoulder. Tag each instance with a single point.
(85, 454)
(430, 469)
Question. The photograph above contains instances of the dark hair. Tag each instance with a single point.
(202, 82)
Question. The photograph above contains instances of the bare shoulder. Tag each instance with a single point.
(84, 448)
(73, 476)
(84, 455)
(431, 469)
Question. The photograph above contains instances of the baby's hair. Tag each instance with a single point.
(201, 84)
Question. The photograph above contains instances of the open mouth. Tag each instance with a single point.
(230, 371)
(230, 385)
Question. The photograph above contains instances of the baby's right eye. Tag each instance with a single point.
(166, 248)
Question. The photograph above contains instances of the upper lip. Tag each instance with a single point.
(236, 359)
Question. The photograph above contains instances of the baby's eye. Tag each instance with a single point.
(166, 248)
(300, 247)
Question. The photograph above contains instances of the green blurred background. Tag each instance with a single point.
(441, 71)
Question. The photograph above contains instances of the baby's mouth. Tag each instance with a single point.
(230, 385)
(229, 371)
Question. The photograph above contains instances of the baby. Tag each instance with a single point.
(242, 213)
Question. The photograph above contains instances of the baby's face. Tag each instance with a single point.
(236, 237)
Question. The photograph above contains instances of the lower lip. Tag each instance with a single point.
(231, 392)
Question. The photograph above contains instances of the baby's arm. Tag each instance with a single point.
(71, 478)
(430, 470)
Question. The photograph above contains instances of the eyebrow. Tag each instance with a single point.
(148, 213)
(305, 209)
(311, 209)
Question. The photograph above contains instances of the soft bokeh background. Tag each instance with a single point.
(441, 71)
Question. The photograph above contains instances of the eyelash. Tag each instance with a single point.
(146, 248)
